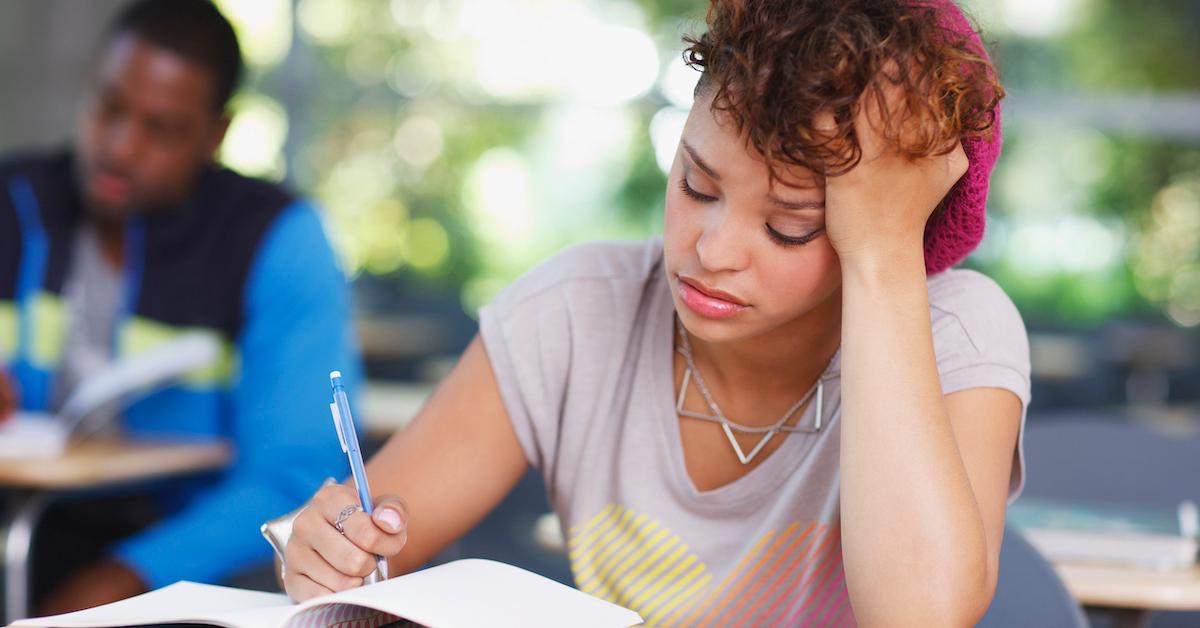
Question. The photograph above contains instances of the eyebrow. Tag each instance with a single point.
(699, 162)
(795, 205)
(775, 200)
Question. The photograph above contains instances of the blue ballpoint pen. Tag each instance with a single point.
(343, 421)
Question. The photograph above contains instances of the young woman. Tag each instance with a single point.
(784, 410)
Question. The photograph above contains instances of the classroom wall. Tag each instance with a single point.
(46, 49)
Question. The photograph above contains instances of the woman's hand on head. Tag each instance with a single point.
(320, 560)
(876, 212)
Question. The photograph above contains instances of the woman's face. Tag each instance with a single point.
(744, 257)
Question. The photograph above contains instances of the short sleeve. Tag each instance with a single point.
(980, 342)
(557, 340)
(528, 346)
(527, 333)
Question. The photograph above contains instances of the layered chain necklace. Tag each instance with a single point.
(728, 425)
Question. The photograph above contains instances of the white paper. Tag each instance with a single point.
(41, 435)
(474, 592)
(165, 362)
(464, 593)
(180, 602)
(32, 435)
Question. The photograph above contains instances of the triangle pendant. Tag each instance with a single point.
(737, 449)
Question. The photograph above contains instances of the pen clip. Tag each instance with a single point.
(337, 424)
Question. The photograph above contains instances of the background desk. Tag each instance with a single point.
(1133, 588)
(387, 407)
(31, 485)
(1133, 593)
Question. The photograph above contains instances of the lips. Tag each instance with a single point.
(110, 187)
(707, 301)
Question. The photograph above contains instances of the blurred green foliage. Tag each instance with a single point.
(434, 168)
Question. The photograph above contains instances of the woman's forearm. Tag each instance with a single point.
(914, 545)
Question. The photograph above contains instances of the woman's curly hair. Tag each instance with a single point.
(775, 65)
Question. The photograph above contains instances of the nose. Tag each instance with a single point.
(722, 246)
(122, 143)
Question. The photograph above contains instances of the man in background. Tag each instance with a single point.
(133, 237)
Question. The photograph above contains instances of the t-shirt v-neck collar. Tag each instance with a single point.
(760, 482)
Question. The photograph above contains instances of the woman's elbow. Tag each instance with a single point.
(952, 602)
(966, 604)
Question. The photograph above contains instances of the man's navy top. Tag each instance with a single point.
(241, 260)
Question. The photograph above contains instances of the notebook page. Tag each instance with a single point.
(161, 364)
(476, 592)
(180, 602)
(341, 616)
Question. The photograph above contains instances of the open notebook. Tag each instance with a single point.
(470, 592)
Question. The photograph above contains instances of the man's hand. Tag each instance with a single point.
(8, 395)
(100, 583)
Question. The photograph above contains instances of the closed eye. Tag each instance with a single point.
(786, 240)
(690, 191)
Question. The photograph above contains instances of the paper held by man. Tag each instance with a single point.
(45, 435)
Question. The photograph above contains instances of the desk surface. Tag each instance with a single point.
(1133, 588)
(389, 406)
(100, 462)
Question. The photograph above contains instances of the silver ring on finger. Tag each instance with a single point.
(345, 514)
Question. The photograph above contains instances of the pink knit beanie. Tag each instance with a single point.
(956, 228)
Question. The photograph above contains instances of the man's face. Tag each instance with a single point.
(146, 128)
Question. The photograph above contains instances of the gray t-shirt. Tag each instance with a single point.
(92, 290)
(582, 350)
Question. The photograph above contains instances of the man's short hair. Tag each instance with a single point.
(192, 29)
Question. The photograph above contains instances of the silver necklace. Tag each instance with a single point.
(728, 425)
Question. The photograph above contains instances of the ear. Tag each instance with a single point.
(218, 134)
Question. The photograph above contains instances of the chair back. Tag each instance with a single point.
(1029, 592)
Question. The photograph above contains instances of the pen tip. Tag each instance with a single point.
(333, 374)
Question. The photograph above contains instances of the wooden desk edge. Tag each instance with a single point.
(1132, 588)
(104, 463)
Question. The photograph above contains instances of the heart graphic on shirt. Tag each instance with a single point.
(790, 577)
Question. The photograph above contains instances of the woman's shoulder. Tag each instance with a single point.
(624, 265)
(970, 309)
(963, 290)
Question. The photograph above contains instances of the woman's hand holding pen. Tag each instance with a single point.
(320, 560)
